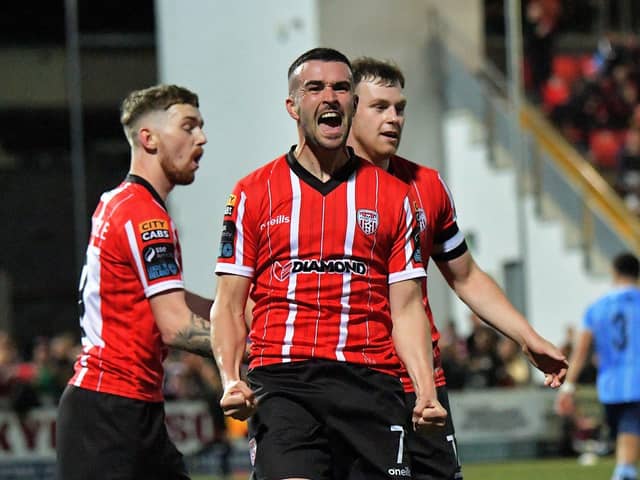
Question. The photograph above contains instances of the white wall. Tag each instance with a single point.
(558, 288)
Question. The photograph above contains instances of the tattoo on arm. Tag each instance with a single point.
(195, 337)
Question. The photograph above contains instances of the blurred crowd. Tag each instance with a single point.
(481, 359)
(484, 358)
(38, 375)
(593, 98)
(38, 379)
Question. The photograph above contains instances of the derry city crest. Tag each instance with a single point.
(368, 221)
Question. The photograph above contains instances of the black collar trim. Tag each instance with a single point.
(340, 176)
(141, 181)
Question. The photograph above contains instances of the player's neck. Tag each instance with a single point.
(383, 163)
(378, 160)
(621, 281)
(320, 162)
(152, 172)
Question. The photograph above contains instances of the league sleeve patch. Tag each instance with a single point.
(160, 261)
(227, 239)
(231, 203)
(417, 251)
(154, 229)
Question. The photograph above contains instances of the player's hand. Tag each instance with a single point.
(238, 400)
(548, 359)
(428, 414)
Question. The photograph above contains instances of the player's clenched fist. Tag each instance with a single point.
(238, 400)
(428, 414)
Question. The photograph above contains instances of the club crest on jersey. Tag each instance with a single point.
(367, 221)
(421, 219)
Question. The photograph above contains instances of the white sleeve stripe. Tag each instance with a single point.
(239, 247)
(449, 245)
(408, 244)
(233, 269)
(163, 286)
(133, 245)
(407, 275)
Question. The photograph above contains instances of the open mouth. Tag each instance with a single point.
(390, 134)
(330, 119)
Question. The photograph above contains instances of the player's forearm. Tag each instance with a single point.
(228, 340)
(193, 336)
(180, 327)
(411, 339)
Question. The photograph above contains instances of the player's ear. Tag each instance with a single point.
(147, 139)
(292, 108)
(356, 100)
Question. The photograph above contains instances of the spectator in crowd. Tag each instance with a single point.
(63, 349)
(540, 29)
(44, 376)
(515, 370)
(484, 363)
(628, 173)
(454, 363)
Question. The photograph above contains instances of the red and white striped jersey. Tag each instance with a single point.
(321, 257)
(133, 254)
(440, 237)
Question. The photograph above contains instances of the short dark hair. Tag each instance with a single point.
(367, 69)
(626, 264)
(318, 53)
(158, 97)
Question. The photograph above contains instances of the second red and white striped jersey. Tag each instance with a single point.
(321, 257)
(133, 254)
(440, 237)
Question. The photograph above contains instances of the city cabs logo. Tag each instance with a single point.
(154, 229)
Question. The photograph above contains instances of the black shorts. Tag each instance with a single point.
(103, 436)
(434, 454)
(323, 419)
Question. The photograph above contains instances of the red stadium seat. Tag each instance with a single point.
(588, 66)
(566, 67)
(604, 146)
(554, 93)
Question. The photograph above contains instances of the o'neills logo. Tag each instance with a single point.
(283, 271)
(399, 472)
(275, 221)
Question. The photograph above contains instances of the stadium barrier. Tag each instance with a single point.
(490, 424)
